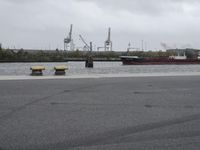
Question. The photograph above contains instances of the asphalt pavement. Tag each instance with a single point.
(132, 113)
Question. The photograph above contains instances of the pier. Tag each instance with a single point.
(100, 113)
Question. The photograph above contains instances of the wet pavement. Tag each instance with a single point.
(139, 113)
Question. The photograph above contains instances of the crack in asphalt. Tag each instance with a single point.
(9, 114)
(113, 136)
(151, 137)
(126, 105)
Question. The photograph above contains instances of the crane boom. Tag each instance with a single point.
(82, 39)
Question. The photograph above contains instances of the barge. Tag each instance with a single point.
(172, 60)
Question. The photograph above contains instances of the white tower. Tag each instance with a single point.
(108, 42)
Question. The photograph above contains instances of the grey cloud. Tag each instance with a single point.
(40, 23)
(21, 1)
(148, 7)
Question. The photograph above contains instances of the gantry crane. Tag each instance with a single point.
(68, 42)
(108, 42)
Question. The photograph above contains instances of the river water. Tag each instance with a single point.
(78, 68)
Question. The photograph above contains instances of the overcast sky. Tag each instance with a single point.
(43, 24)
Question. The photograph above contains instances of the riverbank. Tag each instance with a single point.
(64, 61)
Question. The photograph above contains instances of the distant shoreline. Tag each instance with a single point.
(68, 60)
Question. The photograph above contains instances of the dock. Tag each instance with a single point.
(100, 113)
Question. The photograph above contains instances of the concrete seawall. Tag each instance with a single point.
(93, 76)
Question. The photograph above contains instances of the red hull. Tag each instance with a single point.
(158, 61)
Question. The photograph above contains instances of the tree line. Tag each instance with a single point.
(8, 55)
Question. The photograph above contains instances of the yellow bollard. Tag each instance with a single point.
(37, 70)
(60, 70)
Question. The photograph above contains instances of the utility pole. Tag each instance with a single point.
(142, 45)
(89, 60)
(91, 47)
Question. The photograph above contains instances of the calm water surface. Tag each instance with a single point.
(78, 68)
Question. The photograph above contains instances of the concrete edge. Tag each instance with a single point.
(4, 78)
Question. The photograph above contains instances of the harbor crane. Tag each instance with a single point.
(108, 42)
(86, 45)
(68, 42)
(89, 59)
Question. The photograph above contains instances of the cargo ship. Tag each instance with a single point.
(172, 60)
